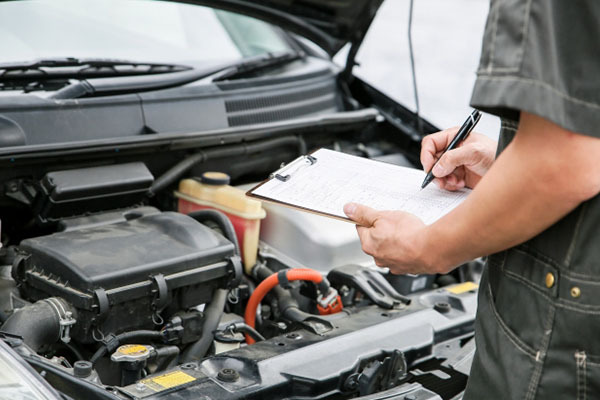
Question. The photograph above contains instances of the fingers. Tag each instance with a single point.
(453, 159)
(433, 144)
(360, 214)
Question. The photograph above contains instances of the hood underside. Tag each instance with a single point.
(329, 23)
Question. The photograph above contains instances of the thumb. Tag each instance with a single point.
(363, 215)
(452, 160)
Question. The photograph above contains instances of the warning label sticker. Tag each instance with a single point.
(463, 287)
(168, 381)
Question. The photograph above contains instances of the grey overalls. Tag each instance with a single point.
(538, 322)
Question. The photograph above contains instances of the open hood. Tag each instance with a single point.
(329, 23)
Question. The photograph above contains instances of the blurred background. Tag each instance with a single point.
(446, 38)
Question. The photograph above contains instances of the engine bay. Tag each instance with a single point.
(149, 275)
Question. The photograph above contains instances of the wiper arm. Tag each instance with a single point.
(252, 65)
(70, 67)
(107, 86)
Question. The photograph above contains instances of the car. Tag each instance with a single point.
(133, 265)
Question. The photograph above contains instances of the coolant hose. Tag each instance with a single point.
(124, 338)
(235, 150)
(212, 317)
(222, 222)
(273, 280)
(214, 311)
(40, 323)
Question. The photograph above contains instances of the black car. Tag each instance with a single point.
(108, 292)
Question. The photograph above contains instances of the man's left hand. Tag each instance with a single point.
(395, 239)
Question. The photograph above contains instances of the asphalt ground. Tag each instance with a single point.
(446, 38)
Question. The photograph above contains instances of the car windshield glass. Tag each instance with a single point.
(143, 30)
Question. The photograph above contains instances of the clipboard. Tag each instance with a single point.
(322, 181)
(284, 174)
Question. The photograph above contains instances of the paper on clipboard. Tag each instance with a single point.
(328, 180)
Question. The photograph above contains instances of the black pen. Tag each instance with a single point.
(462, 134)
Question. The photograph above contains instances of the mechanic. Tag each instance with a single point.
(535, 206)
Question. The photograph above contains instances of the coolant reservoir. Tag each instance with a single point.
(212, 190)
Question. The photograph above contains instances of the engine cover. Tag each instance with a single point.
(123, 274)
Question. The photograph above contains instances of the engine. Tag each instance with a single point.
(140, 302)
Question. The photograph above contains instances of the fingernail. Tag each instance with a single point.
(438, 170)
(349, 209)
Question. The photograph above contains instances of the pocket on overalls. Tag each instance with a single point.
(588, 375)
(503, 365)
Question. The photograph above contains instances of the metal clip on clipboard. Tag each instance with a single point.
(285, 173)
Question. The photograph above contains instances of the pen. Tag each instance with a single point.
(462, 134)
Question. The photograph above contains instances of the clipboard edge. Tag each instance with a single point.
(298, 208)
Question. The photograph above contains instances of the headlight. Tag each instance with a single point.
(18, 381)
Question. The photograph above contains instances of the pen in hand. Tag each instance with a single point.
(462, 134)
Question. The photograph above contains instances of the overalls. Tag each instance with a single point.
(538, 321)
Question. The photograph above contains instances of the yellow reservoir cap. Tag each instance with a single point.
(131, 352)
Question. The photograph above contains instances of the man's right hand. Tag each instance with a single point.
(461, 167)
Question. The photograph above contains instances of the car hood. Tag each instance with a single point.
(329, 23)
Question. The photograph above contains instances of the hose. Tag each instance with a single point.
(165, 356)
(222, 222)
(212, 317)
(40, 323)
(114, 342)
(237, 150)
(243, 327)
(273, 280)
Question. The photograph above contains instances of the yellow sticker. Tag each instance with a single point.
(132, 349)
(463, 287)
(168, 381)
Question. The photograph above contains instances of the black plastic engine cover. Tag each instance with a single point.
(119, 274)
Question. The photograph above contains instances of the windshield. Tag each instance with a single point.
(142, 30)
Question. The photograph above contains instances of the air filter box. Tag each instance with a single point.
(125, 275)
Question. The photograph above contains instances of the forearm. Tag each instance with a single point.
(533, 183)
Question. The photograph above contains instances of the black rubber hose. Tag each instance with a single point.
(123, 338)
(38, 323)
(221, 221)
(212, 317)
(165, 356)
(245, 328)
(235, 150)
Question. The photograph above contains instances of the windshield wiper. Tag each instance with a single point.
(116, 85)
(70, 67)
(258, 64)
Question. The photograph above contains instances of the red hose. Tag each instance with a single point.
(265, 286)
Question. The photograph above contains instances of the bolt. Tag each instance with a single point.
(442, 307)
(293, 335)
(410, 397)
(228, 375)
(140, 387)
(188, 366)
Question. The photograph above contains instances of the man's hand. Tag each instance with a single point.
(393, 238)
(543, 174)
(462, 166)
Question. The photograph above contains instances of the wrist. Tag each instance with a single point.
(432, 255)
